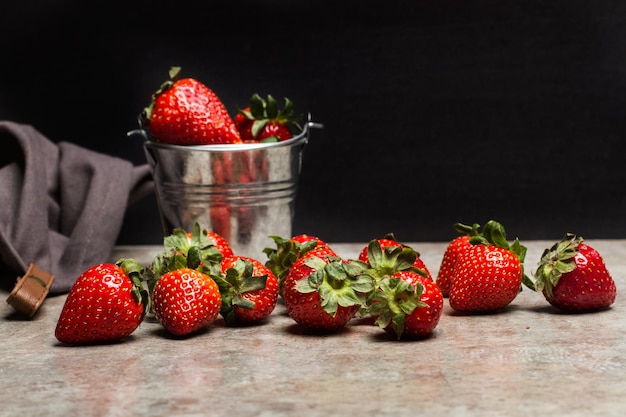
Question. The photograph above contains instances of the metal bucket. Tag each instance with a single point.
(245, 193)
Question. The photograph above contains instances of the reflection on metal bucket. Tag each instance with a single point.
(246, 193)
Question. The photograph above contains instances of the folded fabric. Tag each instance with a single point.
(61, 206)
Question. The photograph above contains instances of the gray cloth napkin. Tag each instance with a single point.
(61, 206)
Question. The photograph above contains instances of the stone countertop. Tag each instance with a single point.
(527, 360)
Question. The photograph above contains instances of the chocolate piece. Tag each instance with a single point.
(30, 290)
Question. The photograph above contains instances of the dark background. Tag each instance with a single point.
(434, 111)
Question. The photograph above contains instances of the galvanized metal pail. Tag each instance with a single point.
(245, 193)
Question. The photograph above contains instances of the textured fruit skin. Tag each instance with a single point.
(588, 287)
(186, 300)
(448, 262)
(305, 309)
(99, 307)
(274, 129)
(264, 299)
(423, 320)
(487, 278)
(187, 112)
(384, 243)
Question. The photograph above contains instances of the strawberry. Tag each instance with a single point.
(451, 254)
(263, 121)
(389, 241)
(407, 304)
(249, 290)
(324, 293)
(288, 251)
(573, 277)
(488, 275)
(186, 112)
(185, 301)
(106, 303)
(199, 249)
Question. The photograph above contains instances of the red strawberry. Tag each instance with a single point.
(249, 290)
(451, 254)
(389, 241)
(185, 301)
(106, 303)
(573, 277)
(186, 112)
(263, 121)
(288, 251)
(488, 275)
(407, 304)
(195, 250)
(324, 293)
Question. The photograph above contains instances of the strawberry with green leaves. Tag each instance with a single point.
(488, 274)
(264, 121)
(249, 290)
(186, 112)
(406, 304)
(451, 254)
(287, 251)
(573, 276)
(324, 293)
(386, 244)
(184, 296)
(106, 303)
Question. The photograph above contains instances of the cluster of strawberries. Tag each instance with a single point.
(184, 111)
(193, 280)
(481, 272)
(198, 277)
(388, 283)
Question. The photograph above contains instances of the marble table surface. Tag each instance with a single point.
(527, 360)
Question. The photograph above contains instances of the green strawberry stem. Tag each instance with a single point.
(263, 111)
(395, 300)
(236, 281)
(135, 272)
(146, 114)
(465, 229)
(556, 261)
(337, 283)
(281, 258)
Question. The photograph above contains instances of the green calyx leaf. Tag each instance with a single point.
(467, 230)
(263, 110)
(556, 261)
(233, 284)
(286, 253)
(146, 114)
(393, 301)
(337, 283)
(392, 259)
(135, 272)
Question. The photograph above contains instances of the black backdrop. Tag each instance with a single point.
(434, 111)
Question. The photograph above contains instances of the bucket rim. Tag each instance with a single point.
(302, 137)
